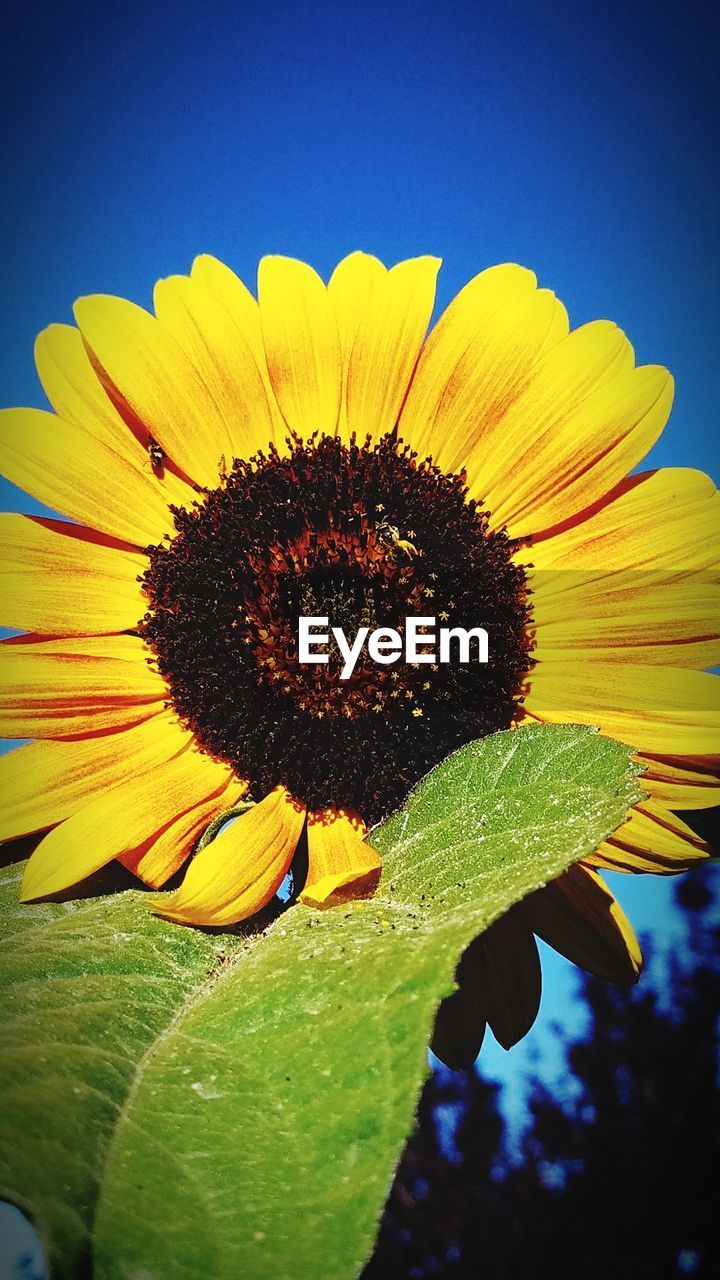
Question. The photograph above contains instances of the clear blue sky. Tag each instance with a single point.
(577, 139)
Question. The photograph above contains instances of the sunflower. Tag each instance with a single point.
(228, 465)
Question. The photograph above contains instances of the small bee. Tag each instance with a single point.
(157, 456)
(389, 535)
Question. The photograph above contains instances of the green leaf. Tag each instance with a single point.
(191, 1105)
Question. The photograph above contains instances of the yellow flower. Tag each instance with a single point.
(230, 463)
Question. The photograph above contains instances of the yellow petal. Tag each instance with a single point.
(76, 473)
(77, 395)
(475, 363)
(74, 687)
(127, 819)
(341, 865)
(301, 344)
(661, 520)
(655, 709)
(350, 289)
(563, 376)
(646, 617)
(242, 868)
(512, 978)
(223, 358)
(652, 839)
(578, 916)
(603, 440)
(75, 391)
(392, 322)
(149, 377)
(158, 859)
(243, 313)
(44, 782)
(679, 784)
(235, 299)
(565, 451)
(60, 579)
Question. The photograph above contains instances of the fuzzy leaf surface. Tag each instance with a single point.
(183, 1104)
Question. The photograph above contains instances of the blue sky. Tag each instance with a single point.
(575, 139)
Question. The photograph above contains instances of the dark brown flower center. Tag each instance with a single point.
(367, 537)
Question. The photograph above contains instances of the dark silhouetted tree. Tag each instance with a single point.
(618, 1179)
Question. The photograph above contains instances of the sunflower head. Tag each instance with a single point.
(231, 465)
(316, 533)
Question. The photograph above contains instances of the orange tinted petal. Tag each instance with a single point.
(160, 856)
(46, 781)
(667, 520)
(350, 289)
(681, 784)
(301, 344)
(223, 358)
(652, 839)
(571, 457)
(658, 709)
(475, 363)
(388, 337)
(646, 617)
(74, 687)
(58, 579)
(121, 821)
(77, 395)
(76, 473)
(150, 378)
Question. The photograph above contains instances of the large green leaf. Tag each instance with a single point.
(186, 1105)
